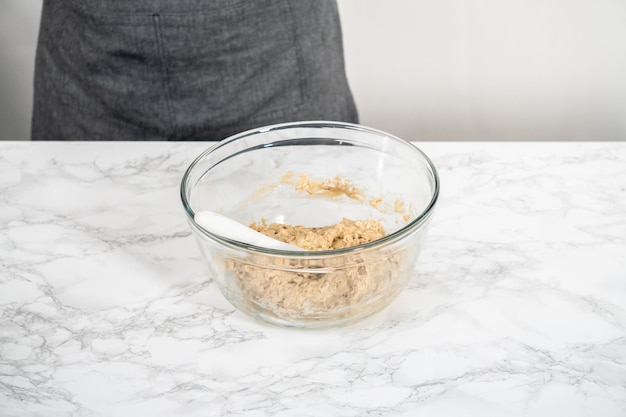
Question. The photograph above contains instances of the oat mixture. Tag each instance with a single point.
(297, 288)
(302, 288)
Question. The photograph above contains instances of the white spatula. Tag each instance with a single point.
(223, 226)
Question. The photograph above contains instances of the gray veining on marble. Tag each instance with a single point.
(518, 308)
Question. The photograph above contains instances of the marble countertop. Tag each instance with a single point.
(519, 307)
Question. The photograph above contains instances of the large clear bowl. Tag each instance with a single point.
(250, 177)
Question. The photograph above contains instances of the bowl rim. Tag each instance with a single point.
(387, 239)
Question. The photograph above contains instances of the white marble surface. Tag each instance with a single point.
(519, 309)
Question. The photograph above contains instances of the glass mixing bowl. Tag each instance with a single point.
(313, 174)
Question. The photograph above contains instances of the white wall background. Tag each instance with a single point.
(19, 21)
(489, 69)
(437, 69)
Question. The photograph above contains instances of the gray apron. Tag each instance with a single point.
(186, 69)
